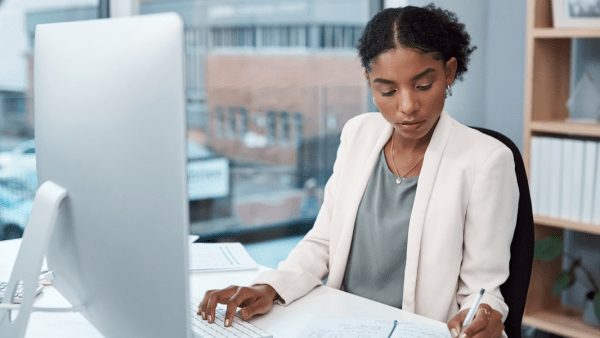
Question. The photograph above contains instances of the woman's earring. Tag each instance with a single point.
(448, 91)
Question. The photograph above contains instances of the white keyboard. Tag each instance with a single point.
(239, 328)
(18, 293)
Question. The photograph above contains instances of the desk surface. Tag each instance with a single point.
(282, 321)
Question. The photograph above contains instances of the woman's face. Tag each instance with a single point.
(409, 88)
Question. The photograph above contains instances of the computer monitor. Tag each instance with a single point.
(110, 128)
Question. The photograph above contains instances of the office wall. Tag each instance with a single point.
(505, 68)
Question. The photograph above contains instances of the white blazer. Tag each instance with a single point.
(460, 229)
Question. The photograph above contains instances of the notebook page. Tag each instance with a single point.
(419, 330)
(347, 327)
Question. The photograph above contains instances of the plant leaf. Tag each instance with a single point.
(548, 248)
(565, 280)
(597, 304)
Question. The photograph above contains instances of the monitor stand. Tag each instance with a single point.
(14, 317)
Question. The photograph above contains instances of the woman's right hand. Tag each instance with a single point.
(256, 299)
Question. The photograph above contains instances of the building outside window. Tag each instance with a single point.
(245, 62)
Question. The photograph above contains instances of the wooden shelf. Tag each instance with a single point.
(566, 128)
(567, 224)
(547, 87)
(565, 321)
(564, 33)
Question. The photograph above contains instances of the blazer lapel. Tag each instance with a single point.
(433, 156)
(352, 199)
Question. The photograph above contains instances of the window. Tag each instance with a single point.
(267, 36)
(285, 128)
(258, 77)
(231, 130)
(271, 131)
(220, 130)
(299, 128)
(340, 37)
(16, 97)
(243, 122)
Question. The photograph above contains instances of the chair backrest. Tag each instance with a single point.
(515, 288)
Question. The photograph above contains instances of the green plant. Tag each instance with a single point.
(550, 248)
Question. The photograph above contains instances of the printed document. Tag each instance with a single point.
(220, 256)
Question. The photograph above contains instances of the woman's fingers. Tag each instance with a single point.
(479, 323)
(257, 299)
(494, 327)
(252, 300)
(242, 297)
(455, 324)
(211, 298)
(487, 323)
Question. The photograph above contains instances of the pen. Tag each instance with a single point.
(473, 309)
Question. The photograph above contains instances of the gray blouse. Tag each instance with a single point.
(375, 268)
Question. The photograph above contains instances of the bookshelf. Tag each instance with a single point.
(548, 73)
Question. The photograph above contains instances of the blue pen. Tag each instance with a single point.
(473, 310)
(395, 324)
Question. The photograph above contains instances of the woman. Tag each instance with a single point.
(420, 210)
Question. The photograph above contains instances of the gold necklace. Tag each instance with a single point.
(400, 177)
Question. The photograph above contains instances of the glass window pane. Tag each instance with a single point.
(18, 180)
(275, 83)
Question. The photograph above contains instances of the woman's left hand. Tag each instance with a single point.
(486, 324)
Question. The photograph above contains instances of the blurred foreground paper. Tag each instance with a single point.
(220, 256)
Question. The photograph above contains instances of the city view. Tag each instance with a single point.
(269, 85)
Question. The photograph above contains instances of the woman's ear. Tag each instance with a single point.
(367, 77)
(450, 70)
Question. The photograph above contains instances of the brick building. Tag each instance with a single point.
(263, 75)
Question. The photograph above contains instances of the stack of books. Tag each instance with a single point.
(564, 178)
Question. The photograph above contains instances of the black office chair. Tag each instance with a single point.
(515, 288)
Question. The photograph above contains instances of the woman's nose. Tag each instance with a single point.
(407, 102)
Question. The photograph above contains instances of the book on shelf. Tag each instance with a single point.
(544, 175)
(534, 173)
(589, 173)
(565, 181)
(554, 185)
(577, 180)
(596, 209)
(565, 178)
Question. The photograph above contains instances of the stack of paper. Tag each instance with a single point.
(220, 256)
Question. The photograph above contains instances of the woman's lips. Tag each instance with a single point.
(411, 125)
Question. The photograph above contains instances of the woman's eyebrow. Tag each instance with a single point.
(423, 73)
(416, 77)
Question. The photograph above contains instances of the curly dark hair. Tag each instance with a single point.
(426, 29)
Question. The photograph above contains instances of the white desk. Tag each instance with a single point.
(282, 322)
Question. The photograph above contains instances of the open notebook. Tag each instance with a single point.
(351, 327)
